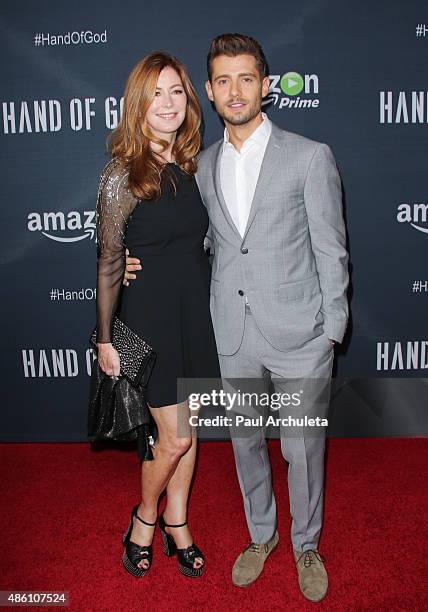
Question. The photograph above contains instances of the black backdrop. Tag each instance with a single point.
(360, 85)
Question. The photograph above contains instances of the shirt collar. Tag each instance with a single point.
(260, 135)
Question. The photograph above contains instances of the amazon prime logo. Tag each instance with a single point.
(61, 227)
(293, 90)
(415, 215)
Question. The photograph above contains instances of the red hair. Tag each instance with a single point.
(131, 140)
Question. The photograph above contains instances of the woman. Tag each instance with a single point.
(149, 202)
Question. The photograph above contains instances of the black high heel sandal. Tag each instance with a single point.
(134, 553)
(185, 556)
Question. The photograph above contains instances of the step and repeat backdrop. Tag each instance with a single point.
(353, 75)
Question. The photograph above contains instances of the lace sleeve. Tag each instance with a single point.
(115, 203)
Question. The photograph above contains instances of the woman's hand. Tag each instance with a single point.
(109, 359)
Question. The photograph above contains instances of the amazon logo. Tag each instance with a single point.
(61, 227)
(415, 215)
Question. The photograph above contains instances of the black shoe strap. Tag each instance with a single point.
(168, 525)
(145, 522)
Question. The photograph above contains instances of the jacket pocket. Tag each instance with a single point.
(298, 290)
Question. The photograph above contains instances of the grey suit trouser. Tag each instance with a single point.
(254, 359)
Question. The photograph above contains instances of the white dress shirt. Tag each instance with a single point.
(239, 172)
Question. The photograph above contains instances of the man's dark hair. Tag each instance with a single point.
(233, 45)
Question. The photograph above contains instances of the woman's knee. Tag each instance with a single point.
(177, 446)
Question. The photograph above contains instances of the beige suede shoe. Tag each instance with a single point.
(248, 566)
(313, 579)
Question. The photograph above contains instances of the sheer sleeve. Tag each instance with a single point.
(115, 203)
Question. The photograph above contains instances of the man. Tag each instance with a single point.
(278, 290)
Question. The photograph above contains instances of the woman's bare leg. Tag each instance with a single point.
(178, 488)
(155, 475)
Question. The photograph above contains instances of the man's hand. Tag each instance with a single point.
(333, 342)
(132, 264)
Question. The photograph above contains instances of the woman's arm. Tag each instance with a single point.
(114, 205)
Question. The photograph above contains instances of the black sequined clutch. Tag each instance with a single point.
(137, 358)
(118, 411)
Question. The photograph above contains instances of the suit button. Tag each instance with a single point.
(244, 250)
(240, 292)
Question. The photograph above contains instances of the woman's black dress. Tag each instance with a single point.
(168, 303)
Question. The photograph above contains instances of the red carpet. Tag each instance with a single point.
(64, 510)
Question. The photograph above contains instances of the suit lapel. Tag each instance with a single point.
(270, 165)
(219, 193)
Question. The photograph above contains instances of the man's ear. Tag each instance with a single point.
(209, 90)
(265, 86)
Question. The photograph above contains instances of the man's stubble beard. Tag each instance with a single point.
(253, 111)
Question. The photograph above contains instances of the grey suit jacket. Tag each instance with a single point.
(292, 262)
